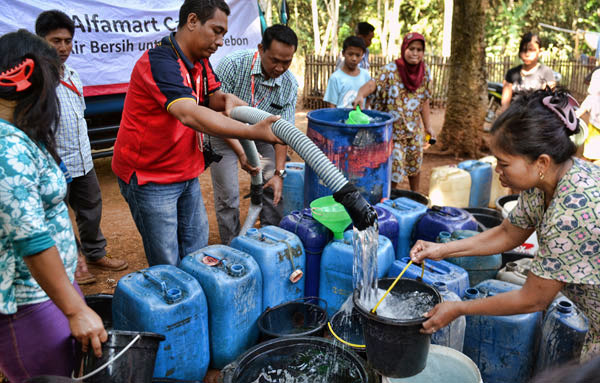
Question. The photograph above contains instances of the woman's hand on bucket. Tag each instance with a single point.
(426, 250)
(86, 326)
(440, 316)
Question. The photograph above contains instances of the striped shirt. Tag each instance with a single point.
(275, 95)
(72, 141)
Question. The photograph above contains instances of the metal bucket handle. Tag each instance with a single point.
(110, 361)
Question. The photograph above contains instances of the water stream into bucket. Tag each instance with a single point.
(364, 267)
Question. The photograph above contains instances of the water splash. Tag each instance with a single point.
(364, 267)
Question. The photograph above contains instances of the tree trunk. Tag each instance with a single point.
(465, 110)
(315, 22)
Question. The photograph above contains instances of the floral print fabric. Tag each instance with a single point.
(33, 217)
(391, 96)
(569, 238)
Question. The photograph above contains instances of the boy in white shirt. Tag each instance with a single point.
(344, 83)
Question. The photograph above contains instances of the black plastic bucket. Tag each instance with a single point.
(348, 326)
(415, 196)
(102, 305)
(395, 347)
(296, 318)
(289, 353)
(486, 217)
(136, 365)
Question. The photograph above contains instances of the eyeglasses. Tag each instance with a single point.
(565, 113)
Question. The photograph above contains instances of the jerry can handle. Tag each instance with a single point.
(171, 295)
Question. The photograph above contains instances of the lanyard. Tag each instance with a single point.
(252, 104)
(71, 86)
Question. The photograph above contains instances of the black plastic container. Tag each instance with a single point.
(486, 217)
(50, 379)
(415, 196)
(102, 305)
(280, 353)
(136, 365)
(395, 347)
(348, 326)
(300, 317)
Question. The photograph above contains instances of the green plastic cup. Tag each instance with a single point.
(357, 117)
(331, 214)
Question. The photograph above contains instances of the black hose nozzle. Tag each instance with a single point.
(256, 193)
(361, 212)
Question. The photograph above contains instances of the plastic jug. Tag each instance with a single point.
(388, 225)
(563, 333)
(480, 267)
(280, 256)
(438, 219)
(407, 212)
(336, 269)
(449, 186)
(503, 347)
(452, 335)
(496, 190)
(232, 282)
(481, 182)
(515, 272)
(314, 237)
(455, 278)
(293, 187)
(166, 300)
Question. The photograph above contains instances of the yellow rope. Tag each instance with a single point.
(343, 341)
(396, 281)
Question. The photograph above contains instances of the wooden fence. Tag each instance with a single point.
(319, 68)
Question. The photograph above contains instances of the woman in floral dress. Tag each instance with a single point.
(560, 201)
(402, 89)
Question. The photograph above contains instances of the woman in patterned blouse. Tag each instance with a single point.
(560, 200)
(402, 89)
(40, 306)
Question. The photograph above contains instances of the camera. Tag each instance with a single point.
(210, 155)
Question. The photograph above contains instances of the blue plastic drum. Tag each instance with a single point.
(361, 152)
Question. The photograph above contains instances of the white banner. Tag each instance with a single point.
(110, 35)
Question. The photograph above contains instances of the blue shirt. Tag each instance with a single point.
(343, 88)
(72, 141)
(33, 217)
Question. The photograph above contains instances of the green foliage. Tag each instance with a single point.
(507, 21)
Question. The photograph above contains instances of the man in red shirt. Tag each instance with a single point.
(173, 93)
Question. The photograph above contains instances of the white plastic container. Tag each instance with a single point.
(516, 272)
(449, 186)
(444, 364)
(497, 189)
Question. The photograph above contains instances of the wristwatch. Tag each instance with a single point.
(281, 173)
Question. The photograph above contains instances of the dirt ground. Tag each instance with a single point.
(125, 242)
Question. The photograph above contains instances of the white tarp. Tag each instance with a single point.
(110, 35)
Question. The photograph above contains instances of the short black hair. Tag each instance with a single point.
(363, 28)
(526, 39)
(281, 33)
(354, 41)
(204, 10)
(52, 20)
(529, 128)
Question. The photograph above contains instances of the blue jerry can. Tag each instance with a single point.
(481, 181)
(293, 187)
(407, 212)
(446, 218)
(232, 282)
(454, 277)
(479, 267)
(314, 237)
(503, 347)
(336, 269)
(168, 301)
(563, 333)
(453, 335)
(388, 225)
(280, 256)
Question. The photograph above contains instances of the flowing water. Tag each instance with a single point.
(404, 306)
(364, 267)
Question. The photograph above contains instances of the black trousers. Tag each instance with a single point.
(84, 197)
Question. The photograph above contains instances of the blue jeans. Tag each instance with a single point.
(171, 218)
